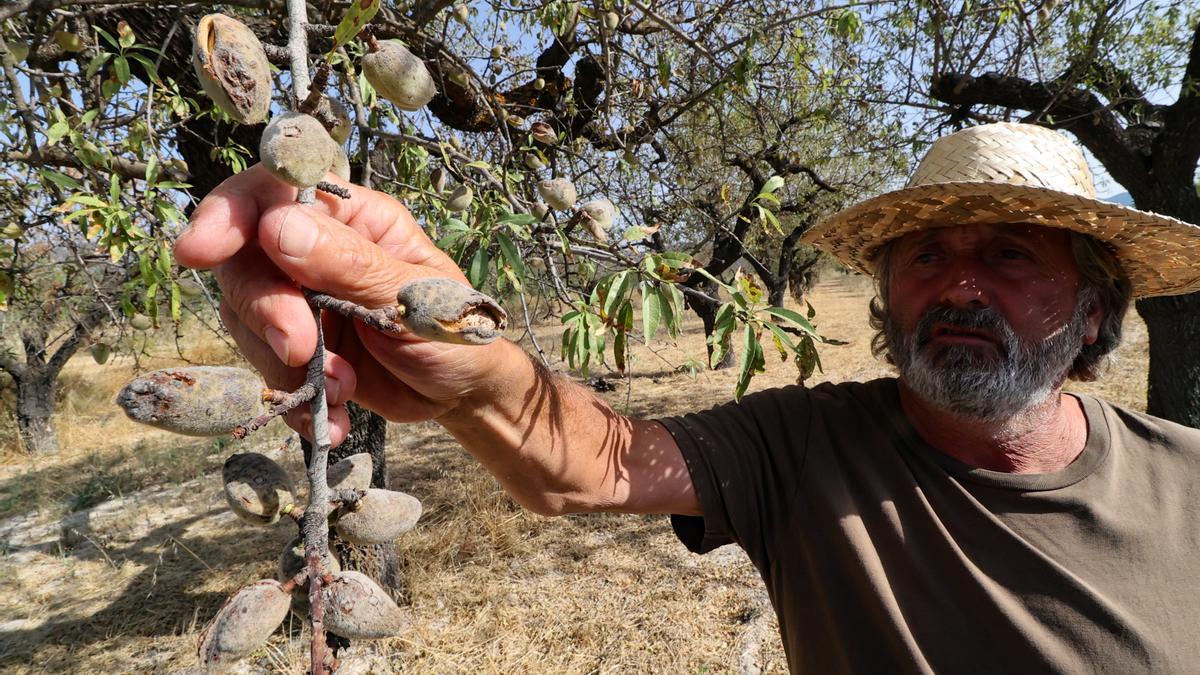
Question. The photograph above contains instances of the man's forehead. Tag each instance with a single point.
(1020, 231)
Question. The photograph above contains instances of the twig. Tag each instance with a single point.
(333, 189)
(383, 319)
(316, 516)
(281, 402)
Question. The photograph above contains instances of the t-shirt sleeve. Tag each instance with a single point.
(745, 461)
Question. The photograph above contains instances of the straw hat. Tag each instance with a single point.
(1016, 173)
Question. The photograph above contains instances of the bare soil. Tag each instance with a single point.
(119, 549)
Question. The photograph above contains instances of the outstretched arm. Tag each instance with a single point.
(552, 444)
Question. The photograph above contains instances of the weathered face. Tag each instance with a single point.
(985, 320)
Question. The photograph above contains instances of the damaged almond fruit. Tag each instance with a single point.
(378, 517)
(291, 561)
(543, 133)
(296, 148)
(447, 311)
(460, 199)
(194, 401)
(100, 352)
(257, 489)
(601, 211)
(399, 76)
(341, 164)
(189, 288)
(243, 624)
(232, 67)
(356, 608)
(351, 473)
(559, 193)
(331, 110)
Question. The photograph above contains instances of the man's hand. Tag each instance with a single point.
(553, 445)
(261, 244)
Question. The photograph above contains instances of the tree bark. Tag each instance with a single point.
(35, 405)
(1173, 325)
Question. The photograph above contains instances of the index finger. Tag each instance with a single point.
(229, 217)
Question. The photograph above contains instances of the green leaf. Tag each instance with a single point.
(121, 69)
(625, 317)
(521, 219)
(653, 304)
(807, 359)
(664, 68)
(783, 341)
(676, 303)
(509, 250)
(618, 290)
(108, 37)
(720, 284)
(769, 198)
(771, 220)
(720, 340)
(56, 131)
(752, 361)
(773, 183)
(164, 260)
(148, 65)
(620, 345)
(176, 303)
(96, 62)
(357, 15)
(793, 318)
(478, 270)
(87, 200)
(676, 259)
(172, 184)
(61, 179)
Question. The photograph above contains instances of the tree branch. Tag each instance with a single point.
(126, 168)
(1178, 146)
(1077, 111)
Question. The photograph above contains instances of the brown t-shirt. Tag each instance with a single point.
(882, 554)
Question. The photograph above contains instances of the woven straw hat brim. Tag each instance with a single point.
(1160, 254)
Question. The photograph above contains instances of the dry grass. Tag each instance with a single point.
(492, 588)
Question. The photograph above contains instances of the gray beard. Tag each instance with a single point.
(972, 383)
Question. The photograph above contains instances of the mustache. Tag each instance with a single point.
(986, 319)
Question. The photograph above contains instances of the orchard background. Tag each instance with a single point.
(720, 131)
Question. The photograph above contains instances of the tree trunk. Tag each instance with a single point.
(1173, 327)
(35, 404)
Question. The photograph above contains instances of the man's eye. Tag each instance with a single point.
(925, 258)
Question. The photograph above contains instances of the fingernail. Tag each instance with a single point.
(333, 391)
(278, 341)
(297, 235)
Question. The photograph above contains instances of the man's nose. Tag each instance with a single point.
(964, 288)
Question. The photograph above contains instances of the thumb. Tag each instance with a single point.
(326, 255)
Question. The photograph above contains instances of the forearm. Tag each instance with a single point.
(553, 445)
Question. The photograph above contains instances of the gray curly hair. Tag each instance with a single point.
(1102, 280)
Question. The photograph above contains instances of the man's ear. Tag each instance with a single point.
(1095, 317)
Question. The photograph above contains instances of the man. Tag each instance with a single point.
(969, 516)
